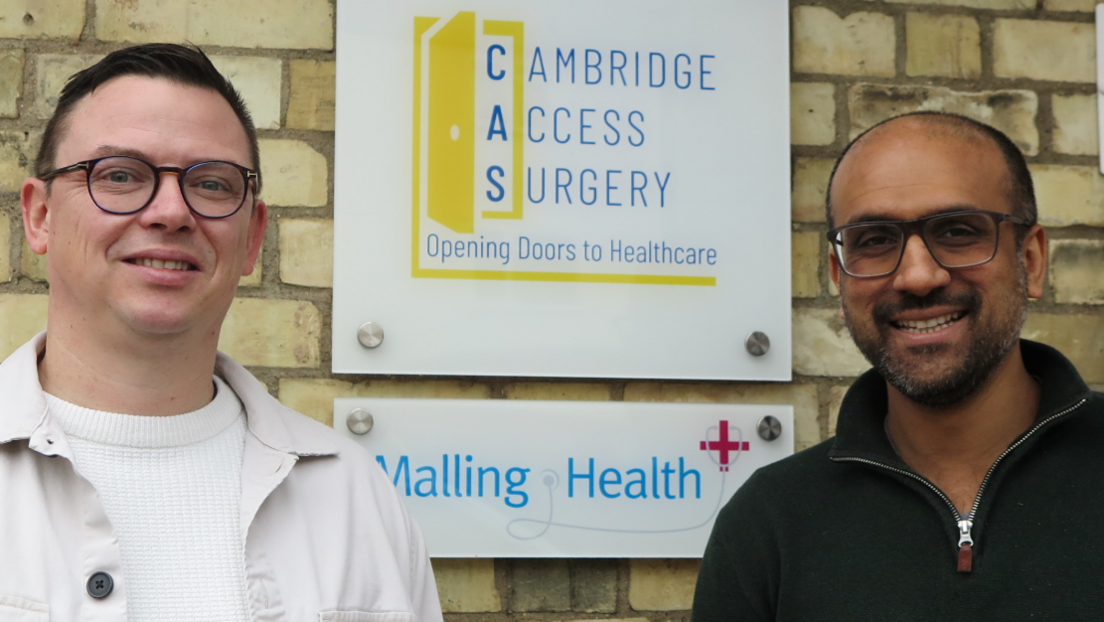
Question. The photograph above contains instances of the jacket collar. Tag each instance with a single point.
(860, 432)
(274, 424)
(26, 404)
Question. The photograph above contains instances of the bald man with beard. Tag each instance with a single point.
(964, 479)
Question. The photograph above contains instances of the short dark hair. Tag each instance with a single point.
(1021, 190)
(168, 61)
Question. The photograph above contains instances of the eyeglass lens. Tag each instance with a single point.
(955, 241)
(124, 185)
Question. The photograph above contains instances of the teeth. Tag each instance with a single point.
(929, 326)
(164, 265)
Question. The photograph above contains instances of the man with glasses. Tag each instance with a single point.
(143, 475)
(962, 481)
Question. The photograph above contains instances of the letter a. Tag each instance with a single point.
(498, 126)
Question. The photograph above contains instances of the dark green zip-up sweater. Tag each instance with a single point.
(846, 531)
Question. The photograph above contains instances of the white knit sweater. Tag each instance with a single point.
(171, 487)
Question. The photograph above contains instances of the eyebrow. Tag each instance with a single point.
(886, 217)
(104, 151)
(115, 150)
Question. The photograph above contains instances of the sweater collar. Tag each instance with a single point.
(860, 432)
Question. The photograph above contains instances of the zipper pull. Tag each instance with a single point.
(965, 546)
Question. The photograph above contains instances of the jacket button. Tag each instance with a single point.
(100, 585)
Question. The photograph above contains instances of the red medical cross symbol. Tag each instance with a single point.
(724, 445)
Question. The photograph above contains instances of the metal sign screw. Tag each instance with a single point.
(757, 343)
(360, 421)
(370, 335)
(769, 428)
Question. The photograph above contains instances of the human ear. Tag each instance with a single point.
(1033, 255)
(834, 273)
(258, 223)
(36, 214)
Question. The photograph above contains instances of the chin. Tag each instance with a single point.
(159, 323)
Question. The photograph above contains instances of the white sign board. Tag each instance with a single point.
(508, 478)
(568, 188)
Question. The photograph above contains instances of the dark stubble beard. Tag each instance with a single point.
(987, 348)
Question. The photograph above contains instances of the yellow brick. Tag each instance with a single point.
(284, 24)
(803, 397)
(976, 4)
(943, 45)
(306, 252)
(662, 584)
(11, 81)
(1075, 271)
(52, 71)
(568, 391)
(1044, 50)
(259, 81)
(1010, 111)
(17, 152)
(314, 397)
(1079, 337)
(1069, 195)
(835, 401)
(1084, 6)
(22, 316)
(812, 113)
(5, 245)
(294, 174)
(466, 585)
(810, 186)
(273, 333)
(805, 248)
(861, 44)
(823, 346)
(1075, 124)
(31, 265)
(254, 280)
(37, 19)
(311, 106)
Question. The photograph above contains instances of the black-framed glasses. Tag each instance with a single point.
(125, 184)
(960, 239)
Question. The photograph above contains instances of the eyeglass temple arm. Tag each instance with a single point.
(67, 169)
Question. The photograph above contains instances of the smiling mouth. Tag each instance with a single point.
(160, 264)
(920, 327)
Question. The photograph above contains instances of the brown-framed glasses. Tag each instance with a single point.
(959, 239)
(125, 184)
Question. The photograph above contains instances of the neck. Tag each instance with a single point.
(124, 372)
(956, 446)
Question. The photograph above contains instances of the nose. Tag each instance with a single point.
(168, 210)
(919, 273)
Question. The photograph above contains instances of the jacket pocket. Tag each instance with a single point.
(366, 616)
(15, 609)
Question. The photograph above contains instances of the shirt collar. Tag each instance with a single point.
(276, 425)
(26, 404)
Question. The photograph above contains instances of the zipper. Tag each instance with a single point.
(966, 525)
(965, 545)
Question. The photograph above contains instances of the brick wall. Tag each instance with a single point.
(1025, 66)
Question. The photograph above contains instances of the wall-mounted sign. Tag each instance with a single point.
(569, 188)
(506, 478)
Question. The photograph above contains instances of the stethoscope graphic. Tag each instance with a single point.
(551, 481)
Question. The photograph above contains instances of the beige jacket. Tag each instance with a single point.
(326, 536)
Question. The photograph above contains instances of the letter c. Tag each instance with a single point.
(490, 62)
